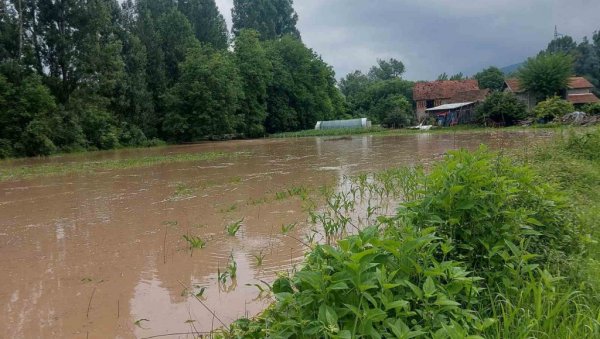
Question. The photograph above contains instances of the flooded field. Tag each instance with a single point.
(100, 253)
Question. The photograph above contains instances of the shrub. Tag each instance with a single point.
(585, 145)
(132, 135)
(592, 108)
(553, 108)
(375, 284)
(6, 150)
(495, 213)
(99, 128)
(502, 107)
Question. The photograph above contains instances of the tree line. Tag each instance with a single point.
(99, 74)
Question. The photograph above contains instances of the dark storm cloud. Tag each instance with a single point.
(435, 36)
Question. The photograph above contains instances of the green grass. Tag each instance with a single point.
(330, 132)
(379, 131)
(78, 167)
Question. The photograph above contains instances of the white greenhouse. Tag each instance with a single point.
(343, 124)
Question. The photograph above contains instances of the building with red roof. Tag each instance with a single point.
(578, 92)
(432, 94)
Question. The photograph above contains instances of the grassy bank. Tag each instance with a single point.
(77, 167)
(380, 131)
(484, 246)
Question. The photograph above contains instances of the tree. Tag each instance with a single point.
(547, 74)
(564, 45)
(205, 100)
(353, 83)
(26, 108)
(256, 74)
(303, 89)
(387, 69)
(491, 78)
(553, 108)
(501, 107)
(396, 111)
(176, 37)
(207, 22)
(458, 76)
(442, 77)
(271, 18)
(379, 95)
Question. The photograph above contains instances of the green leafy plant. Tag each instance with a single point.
(553, 108)
(259, 258)
(233, 228)
(194, 241)
(592, 108)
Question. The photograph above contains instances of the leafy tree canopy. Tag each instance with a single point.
(271, 18)
(501, 107)
(491, 78)
(547, 74)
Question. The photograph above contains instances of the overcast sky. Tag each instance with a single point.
(436, 36)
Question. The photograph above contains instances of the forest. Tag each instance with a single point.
(99, 74)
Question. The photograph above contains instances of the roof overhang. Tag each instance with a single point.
(448, 107)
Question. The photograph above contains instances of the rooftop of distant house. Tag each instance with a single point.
(443, 89)
(574, 83)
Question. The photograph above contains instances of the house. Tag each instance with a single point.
(453, 114)
(436, 93)
(579, 92)
(514, 86)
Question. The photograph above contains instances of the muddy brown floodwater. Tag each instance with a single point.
(101, 255)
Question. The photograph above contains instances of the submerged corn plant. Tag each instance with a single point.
(233, 228)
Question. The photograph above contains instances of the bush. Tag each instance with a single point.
(99, 128)
(495, 213)
(592, 108)
(553, 108)
(132, 135)
(36, 141)
(502, 107)
(585, 145)
(375, 284)
(6, 150)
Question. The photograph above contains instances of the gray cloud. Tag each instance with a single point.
(435, 36)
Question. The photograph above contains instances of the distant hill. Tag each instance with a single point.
(511, 69)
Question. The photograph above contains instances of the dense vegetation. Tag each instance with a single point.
(502, 107)
(103, 74)
(483, 246)
(546, 75)
(381, 95)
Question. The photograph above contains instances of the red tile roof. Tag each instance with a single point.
(574, 83)
(579, 82)
(470, 96)
(514, 85)
(587, 98)
(442, 89)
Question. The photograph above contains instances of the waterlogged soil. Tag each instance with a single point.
(100, 253)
